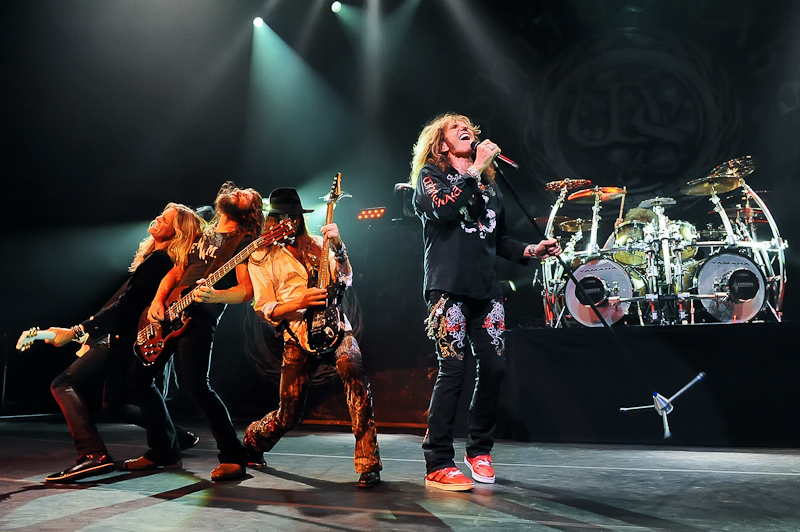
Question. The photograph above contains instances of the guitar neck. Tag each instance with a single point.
(324, 271)
(268, 238)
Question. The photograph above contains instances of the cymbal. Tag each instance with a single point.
(735, 168)
(705, 186)
(541, 221)
(588, 195)
(655, 202)
(568, 183)
(573, 226)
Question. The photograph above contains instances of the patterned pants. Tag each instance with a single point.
(297, 368)
(459, 326)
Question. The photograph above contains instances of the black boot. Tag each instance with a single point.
(86, 466)
(370, 479)
(187, 439)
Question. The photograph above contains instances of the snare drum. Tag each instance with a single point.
(630, 235)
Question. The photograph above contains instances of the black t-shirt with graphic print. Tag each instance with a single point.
(201, 256)
(463, 229)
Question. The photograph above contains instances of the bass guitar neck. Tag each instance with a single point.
(153, 338)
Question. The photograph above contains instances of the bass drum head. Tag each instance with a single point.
(739, 278)
(601, 279)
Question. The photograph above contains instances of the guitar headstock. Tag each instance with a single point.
(276, 233)
(336, 189)
(27, 338)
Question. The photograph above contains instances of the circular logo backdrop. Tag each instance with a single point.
(648, 112)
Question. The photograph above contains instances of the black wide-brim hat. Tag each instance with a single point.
(286, 201)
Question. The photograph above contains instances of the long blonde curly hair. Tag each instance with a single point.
(187, 225)
(428, 148)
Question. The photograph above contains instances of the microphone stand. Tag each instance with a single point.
(570, 272)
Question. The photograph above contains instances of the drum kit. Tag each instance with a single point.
(659, 271)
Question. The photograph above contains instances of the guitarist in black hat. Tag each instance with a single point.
(285, 296)
(237, 222)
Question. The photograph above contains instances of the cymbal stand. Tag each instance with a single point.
(562, 195)
(652, 263)
(552, 270)
(664, 240)
(592, 249)
(726, 223)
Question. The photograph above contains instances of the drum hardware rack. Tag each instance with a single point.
(654, 264)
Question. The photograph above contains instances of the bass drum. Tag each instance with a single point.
(600, 279)
(738, 277)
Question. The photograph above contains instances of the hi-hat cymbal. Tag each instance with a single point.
(573, 226)
(588, 195)
(705, 186)
(541, 221)
(568, 183)
(741, 167)
(655, 202)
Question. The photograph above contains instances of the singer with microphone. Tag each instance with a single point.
(463, 220)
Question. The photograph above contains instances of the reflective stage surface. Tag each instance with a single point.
(309, 484)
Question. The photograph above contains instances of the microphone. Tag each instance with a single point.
(474, 146)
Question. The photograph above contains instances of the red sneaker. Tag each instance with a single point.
(449, 479)
(481, 468)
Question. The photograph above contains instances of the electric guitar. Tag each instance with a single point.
(34, 333)
(152, 338)
(324, 329)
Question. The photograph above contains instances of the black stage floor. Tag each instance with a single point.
(309, 484)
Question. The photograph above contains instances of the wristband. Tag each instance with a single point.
(80, 334)
(473, 171)
(340, 254)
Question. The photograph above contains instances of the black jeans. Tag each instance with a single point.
(104, 365)
(460, 326)
(193, 349)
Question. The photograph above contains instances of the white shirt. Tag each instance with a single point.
(281, 278)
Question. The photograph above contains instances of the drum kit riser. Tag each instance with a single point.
(659, 271)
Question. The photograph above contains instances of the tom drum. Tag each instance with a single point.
(631, 235)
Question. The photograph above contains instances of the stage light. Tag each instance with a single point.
(372, 214)
(258, 22)
(285, 94)
(336, 7)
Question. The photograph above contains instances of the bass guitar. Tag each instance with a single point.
(153, 338)
(324, 329)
